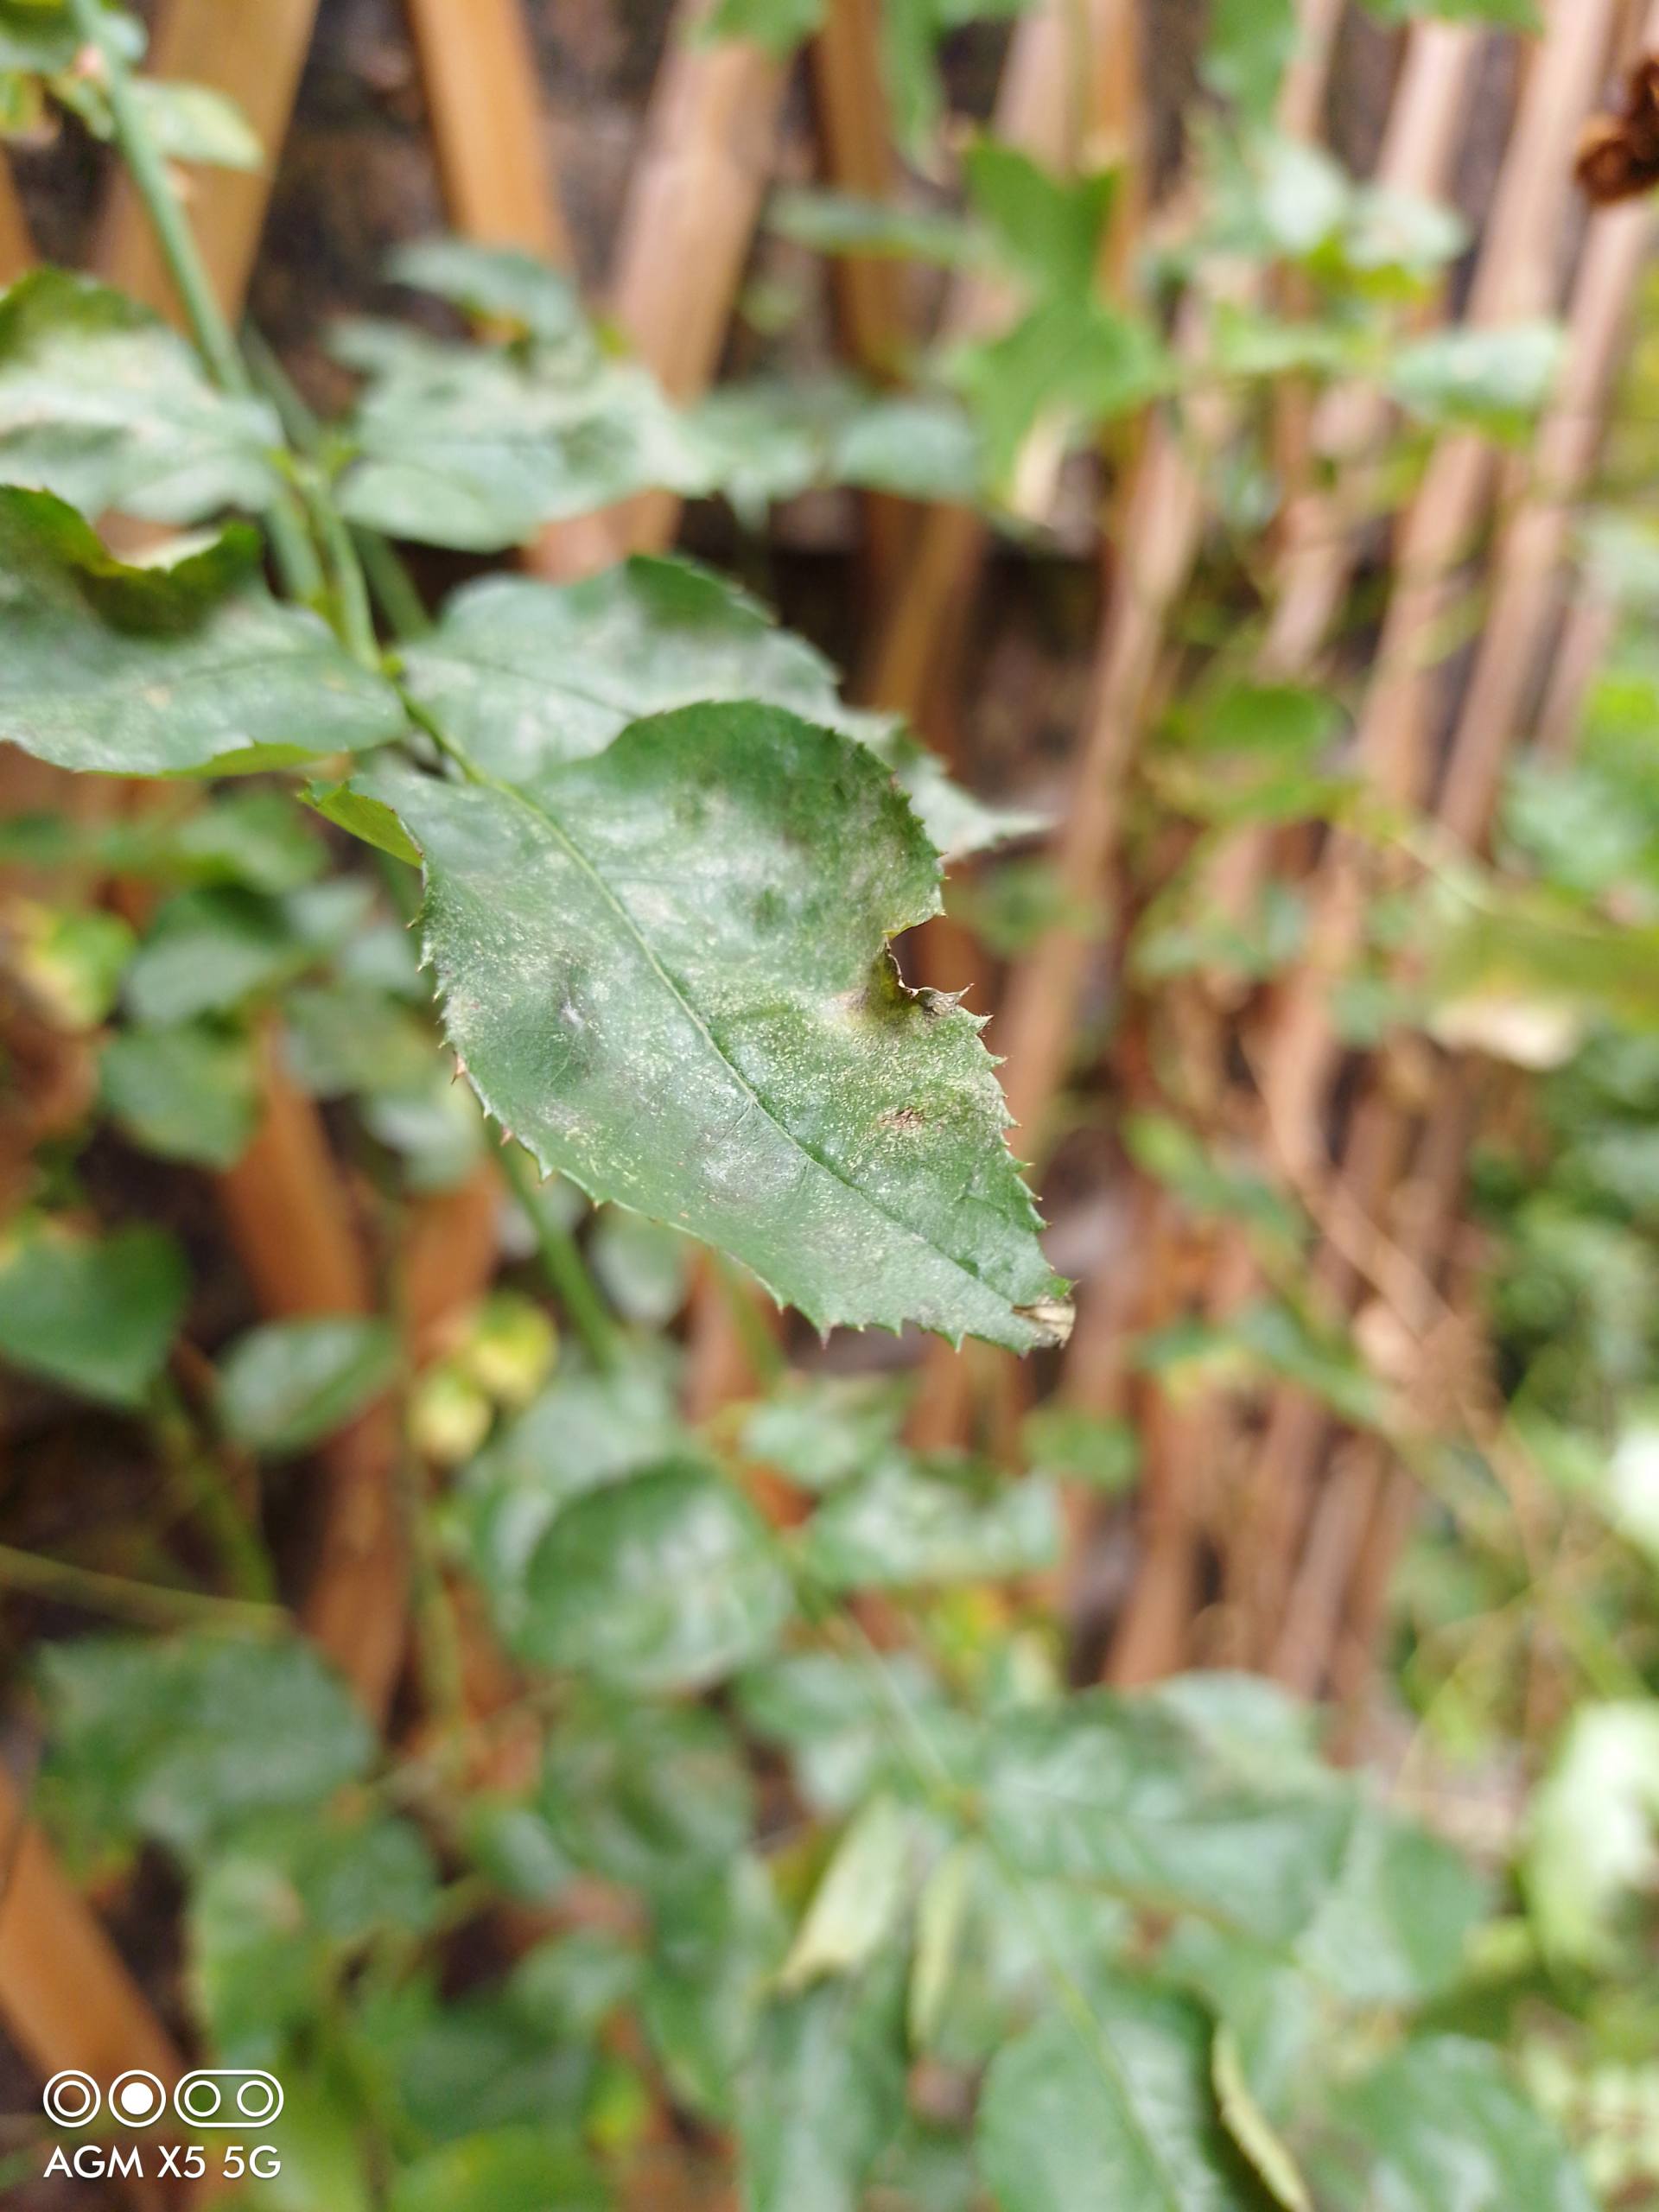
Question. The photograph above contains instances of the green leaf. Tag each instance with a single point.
(1050, 228)
(1073, 362)
(277, 1913)
(164, 670)
(183, 1741)
(1496, 379)
(841, 222)
(341, 1039)
(513, 2169)
(1395, 1927)
(363, 818)
(858, 1901)
(479, 446)
(1592, 1843)
(1278, 720)
(652, 1796)
(104, 404)
(1115, 2115)
(1116, 1791)
(1249, 2127)
(906, 1522)
(198, 123)
(987, 1941)
(1251, 44)
(821, 1430)
(528, 675)
(42, 35)
(36, 38)
(1442, 2124)
(189, 123)
(839, 1134)
(209, 951)
(779, 25)
(190, 1093)
(69, 960)
(836, 1721)
(583, 1432)
(824, 2092)
(496, 284)
(718, 1939)
(669, 1580)
(97, 1315)
(1508, 15)
(1273, 2014)
(642, 1268)
(1068, 1445)
(289, 1383)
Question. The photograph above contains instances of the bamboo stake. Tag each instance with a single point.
(692, 206)
(17, 247)
(855, 139)
(478, 70)
(1038, 111)
(1534, 545)
(66, 1999)
(256, 58)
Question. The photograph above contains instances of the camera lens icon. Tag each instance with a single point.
(228, 2096)
(136, 2097)
(72, 2098)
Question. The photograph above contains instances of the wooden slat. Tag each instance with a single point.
(1055, 112)
(478, 68)
(857, 152)
(255, 55)
(693, 203)
(66, 1999)
(17, 247)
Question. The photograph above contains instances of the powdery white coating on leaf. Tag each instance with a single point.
(670, 979)
(166, 669)
(526, 675)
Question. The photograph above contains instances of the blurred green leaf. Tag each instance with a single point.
(824, 2092)
(649, 1795)
(1111, 1790)
(96, 1315)
(909, 1522)
(1441, 2123)
(105, 405)
(166, 669)
(1112, 2113)
(841, 222)
(1592, 1832)
(512, 2170)
(669, 1579)
(190, 1093)
(186, 1740)
(288, 1384)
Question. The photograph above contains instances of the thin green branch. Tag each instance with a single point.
(214, 340)
(562, 1263)
(389, 579)
(149, 1602)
